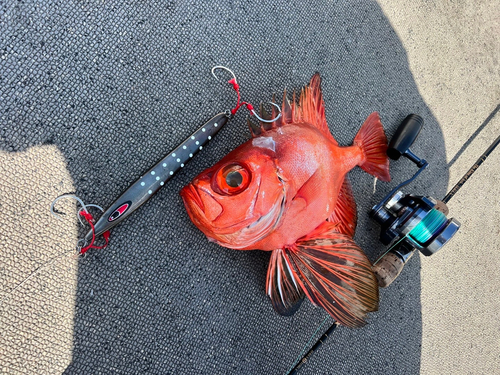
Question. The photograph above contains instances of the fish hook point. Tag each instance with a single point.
(84, 207)
(268, 121)
(223, 68)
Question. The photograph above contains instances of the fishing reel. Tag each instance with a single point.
(409, 222)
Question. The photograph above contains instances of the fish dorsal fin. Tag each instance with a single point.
(281, 286)
(310, 109)
(312, 106)
(345, 213)
(335, 274)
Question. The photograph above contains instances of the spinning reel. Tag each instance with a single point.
(409, 222)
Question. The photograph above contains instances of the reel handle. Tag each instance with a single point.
(404, 137)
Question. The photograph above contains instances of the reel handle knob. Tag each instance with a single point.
(404, 137)
(388, 269)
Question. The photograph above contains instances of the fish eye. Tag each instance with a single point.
(234, 179)
(231, 179)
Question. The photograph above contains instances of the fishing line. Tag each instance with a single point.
(80, 249)
(41, 267)
(392, 247)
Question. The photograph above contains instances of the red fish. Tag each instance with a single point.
(286, 190)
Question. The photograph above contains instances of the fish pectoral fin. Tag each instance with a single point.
(335, 274)
(281, 285)
(345, 213)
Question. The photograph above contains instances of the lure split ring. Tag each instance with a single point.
(88, 217)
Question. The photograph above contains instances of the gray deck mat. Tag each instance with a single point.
(115, 86)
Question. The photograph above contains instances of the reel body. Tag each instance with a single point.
(409, 222)
(415, 222)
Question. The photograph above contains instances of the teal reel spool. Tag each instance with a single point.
(415, 222)
(429, 226)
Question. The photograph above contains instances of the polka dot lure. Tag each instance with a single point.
(140, 191)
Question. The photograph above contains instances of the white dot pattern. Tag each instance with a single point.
(179, 158)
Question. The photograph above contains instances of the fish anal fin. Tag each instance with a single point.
(335, 274)
(345, 213)
(281, 285)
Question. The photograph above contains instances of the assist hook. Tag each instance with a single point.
(87, 216)
(84, 207)
(236, 87)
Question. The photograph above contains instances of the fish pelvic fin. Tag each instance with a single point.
(345, 214)
(372, 141)
(334, 273)
(282, 285)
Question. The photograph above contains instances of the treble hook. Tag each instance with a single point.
(237, 89)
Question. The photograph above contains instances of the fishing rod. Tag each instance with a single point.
(408, 222)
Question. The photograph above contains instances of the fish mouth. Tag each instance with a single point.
(261, 227)
(191, 193)
(201, 206)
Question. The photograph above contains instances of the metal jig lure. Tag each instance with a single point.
(154, 179)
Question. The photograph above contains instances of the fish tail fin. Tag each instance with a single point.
(373, 143)
(331, 270)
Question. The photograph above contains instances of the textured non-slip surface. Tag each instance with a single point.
(94, 93)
